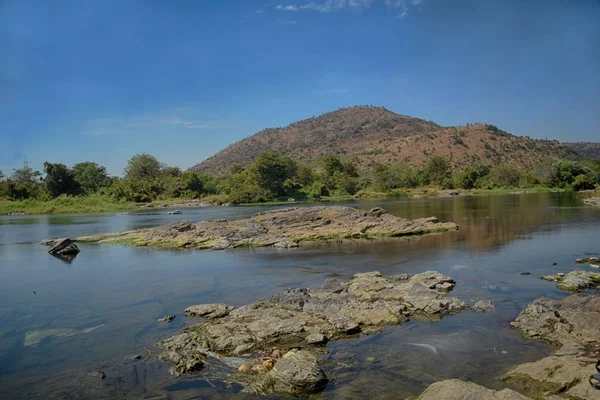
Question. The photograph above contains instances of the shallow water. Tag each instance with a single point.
(92, 312)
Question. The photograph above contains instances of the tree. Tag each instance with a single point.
(582, 182)
(332, 165)
(1, 175)
(193, 182)
(504, 176)
(90, 176)
(438, 170)
(270, 170)
(142, 167)
(565, 172)
(24, 183)
(468, 178)
(60, 179)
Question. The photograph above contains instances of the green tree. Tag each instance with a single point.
(504, 176)
(582, 182)
(438, 171)
(24, 183)
(270, 170)
(60, 179)
(1, 175)
(564, 173)
(468, 178)
(90, 176)
(193, 183)
(332, 164)
(142, 167)
(305, 175)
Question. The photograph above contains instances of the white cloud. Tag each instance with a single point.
(401, 7)
(260, 12)
(287, 8)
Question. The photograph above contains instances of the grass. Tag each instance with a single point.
(66, 204)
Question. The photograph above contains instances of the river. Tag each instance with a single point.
(59, 320)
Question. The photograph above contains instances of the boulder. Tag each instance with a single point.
(454, 389)
(484, 306)
(297, 372)
(575, 281)
(62, 247)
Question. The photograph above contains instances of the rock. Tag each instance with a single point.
(371, 360)
(564, 375)
(167, 318)
(525, 273)
(97, 374)
(484, 306)
(575, 319)
(291, 200)
(297, 372)
(455, 389)
(133, 357)
(316, 338)
(454, 192)
(279, 228)
(594, 201)
(214, 310)
(244, 369)
(400, 277)
(366, 302)
(575, 281)
(174, 212)
(188, 357)
(62, 247)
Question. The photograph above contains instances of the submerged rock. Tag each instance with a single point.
(284, 228)
(454, 389)
(61, 246)
(484, 306)
(167, 318)
(575, 281)
(310, 317)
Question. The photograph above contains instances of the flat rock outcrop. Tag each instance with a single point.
(594, 201)
(296, 317)
(575, 281)
(278, 228)
(573, 324)
(454, 389)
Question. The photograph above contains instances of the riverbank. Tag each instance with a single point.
(98, 203)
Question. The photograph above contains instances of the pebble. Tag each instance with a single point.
(167, 318)
(525, 273)
(97, 374)
(371, 359)
(244, 369)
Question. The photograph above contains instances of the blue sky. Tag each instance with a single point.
(103, 80)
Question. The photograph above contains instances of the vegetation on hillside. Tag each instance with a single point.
(86, 187)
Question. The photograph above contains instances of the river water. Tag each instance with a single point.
(60, 320)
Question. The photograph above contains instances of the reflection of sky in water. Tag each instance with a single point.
(105, 304)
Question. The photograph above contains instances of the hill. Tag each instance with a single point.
(376, 135)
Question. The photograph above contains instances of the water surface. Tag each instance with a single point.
(60, 320)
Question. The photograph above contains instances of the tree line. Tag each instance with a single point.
(273, 176)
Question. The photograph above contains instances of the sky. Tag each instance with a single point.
(106, 79)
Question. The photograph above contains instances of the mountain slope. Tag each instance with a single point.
(376, 135)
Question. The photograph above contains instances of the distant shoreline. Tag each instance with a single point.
(100, 204)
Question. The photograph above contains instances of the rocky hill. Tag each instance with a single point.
(376, 135)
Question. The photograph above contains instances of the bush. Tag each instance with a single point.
(582, 182)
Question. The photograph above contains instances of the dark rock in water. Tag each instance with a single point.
(525, 273)
(134, 357)
(297, 372)
(97, 374)
(62, 247)
(167, 318)
(174, 212)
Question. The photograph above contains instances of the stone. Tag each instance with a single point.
(594, 201)
(167, 318)
(484, 306)
(365, 303)
(316, 338)
(371, 360)
(285, 228)
(213, 310)
(297, 372)
(525, 273)
(174, 212)
(97, 374)
(454, 389)
(62, 247)
(575, 281)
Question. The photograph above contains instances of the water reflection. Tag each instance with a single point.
(91, 313)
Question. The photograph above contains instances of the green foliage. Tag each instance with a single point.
(142, 167)
(582, 182)
(66, 204)
(332, 164)
(504, 176)
(90, 176)
(305, 175)
(437, 171)
(249, 193)
(564, 173)
(270, 170)
(60, 180)
(24, 183)
(469, 178)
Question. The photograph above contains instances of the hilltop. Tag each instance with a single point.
(376, 135)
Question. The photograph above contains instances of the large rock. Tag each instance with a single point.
(594, 201)
(214, 310)
(573, 324)
(279, 228)
(575, 281)
(61, 247)
(454, 389)
(297, 372)
(365, 303)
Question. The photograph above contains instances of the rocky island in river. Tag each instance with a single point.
(283, 228)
